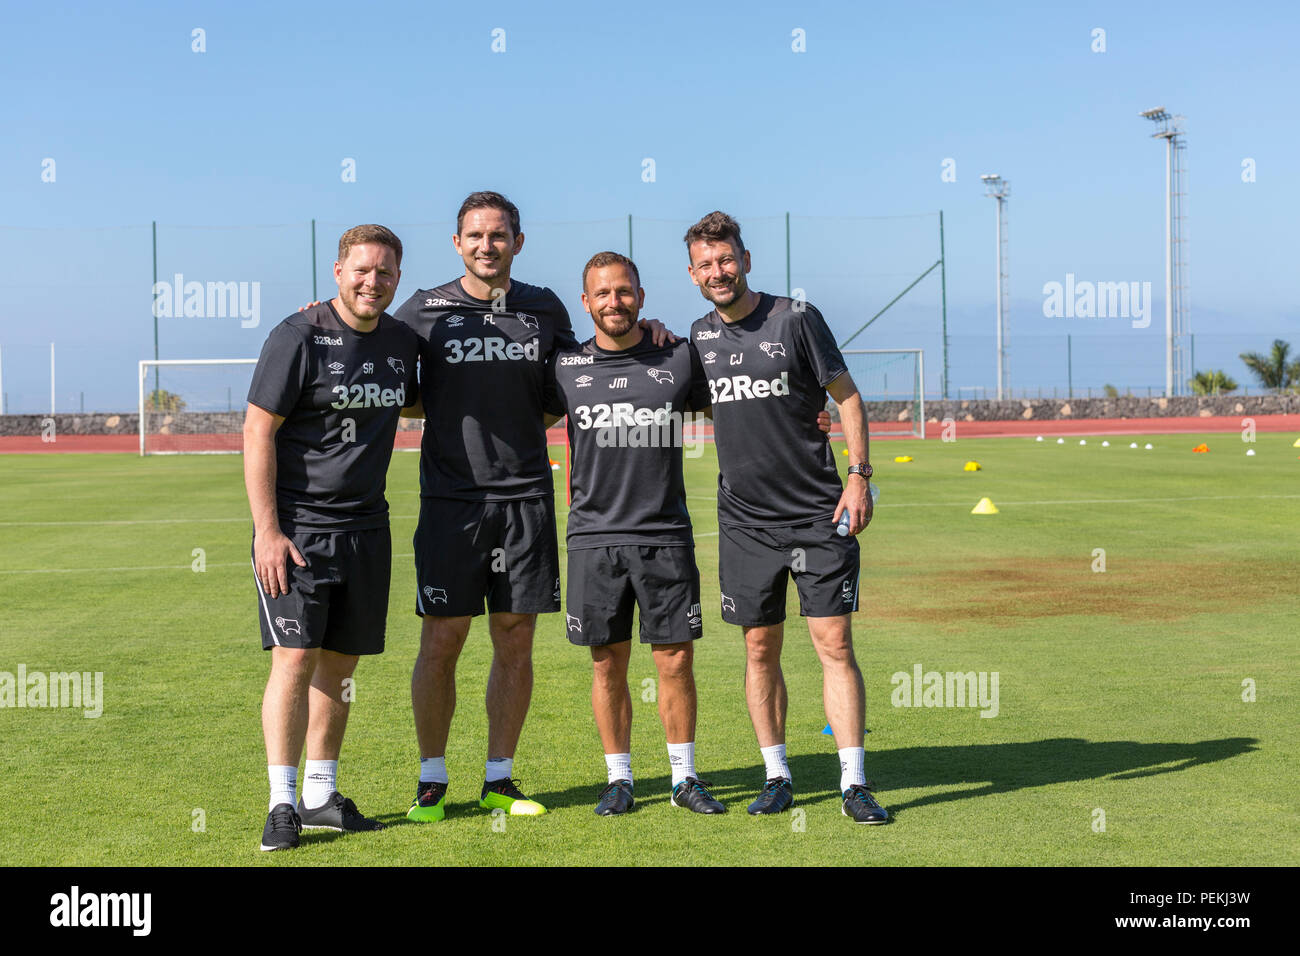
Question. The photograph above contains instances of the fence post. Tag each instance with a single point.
(1069, 367)
(313, 262)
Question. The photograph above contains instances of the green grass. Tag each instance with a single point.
(1119, 690)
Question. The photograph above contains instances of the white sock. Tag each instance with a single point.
(681, 757)
(284, 786)
(774, 758)
(319, 781)
(618, 767)
(433, 770)
(499, 768)
(851, 772)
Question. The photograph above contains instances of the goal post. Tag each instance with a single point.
(193, 406)
(892, 384)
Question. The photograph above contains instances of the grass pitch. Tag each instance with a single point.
(1123, 733)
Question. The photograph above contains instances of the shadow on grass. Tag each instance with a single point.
(991, 768)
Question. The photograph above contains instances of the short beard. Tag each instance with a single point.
(737, 288)
(613, 331)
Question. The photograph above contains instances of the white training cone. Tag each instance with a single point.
(1105, 444)
(1060, 441)
(1133, 444)
(1250, 451)
(1149, 446)
(1039, 438)
(1083, 441)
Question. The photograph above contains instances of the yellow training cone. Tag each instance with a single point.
(971, 466)
(902, 458)
(1296, 444)
(985, 507)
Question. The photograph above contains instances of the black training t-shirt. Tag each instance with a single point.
(481, 377)
(626, 412)
(340, 393)
(767, 379)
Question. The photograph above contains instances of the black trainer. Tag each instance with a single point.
(336, 813)
(861, 806)
(615, 798)
(777, 795)
(282, 828)
(693, 794)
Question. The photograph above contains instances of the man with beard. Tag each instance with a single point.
(770, 362)
(629, 533)
(318, 436)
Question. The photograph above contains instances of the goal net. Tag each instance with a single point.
(892, 383)
(196, 407)
(193, 406)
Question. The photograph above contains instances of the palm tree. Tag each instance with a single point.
(1212, 383)
(1272, 370)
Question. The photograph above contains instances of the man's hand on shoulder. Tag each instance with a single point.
(659, 333)
(309, 305)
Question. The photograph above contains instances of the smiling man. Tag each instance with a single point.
(770, 362)
(629, 533)
(486, 532)
(318, 436)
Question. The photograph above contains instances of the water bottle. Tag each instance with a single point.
(842, 528)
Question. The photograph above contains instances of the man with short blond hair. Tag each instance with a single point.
(322, 413)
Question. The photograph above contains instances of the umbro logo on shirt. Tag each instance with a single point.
(709, 357)
(582, 381)
(336, 368)
(452, 321)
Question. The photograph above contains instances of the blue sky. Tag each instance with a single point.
(234, 150)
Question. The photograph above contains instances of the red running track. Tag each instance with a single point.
(130, 444)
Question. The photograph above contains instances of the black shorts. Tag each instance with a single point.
(753, 565)
(503, 552)
(605, 584)
(339, 601)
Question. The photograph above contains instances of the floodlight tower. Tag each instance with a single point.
(1177, 313)
(998, 188)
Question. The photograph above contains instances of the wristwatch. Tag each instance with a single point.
(864, 470)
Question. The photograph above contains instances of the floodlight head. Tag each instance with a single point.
(990, 177)
(1157, 115)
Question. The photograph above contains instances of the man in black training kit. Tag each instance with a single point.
(629, 533)
(770, 362)
(318, 435)
(487, 509)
